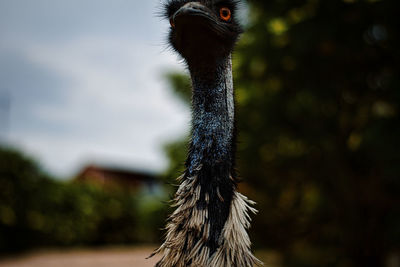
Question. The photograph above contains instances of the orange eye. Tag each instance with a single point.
(225, 13)
(171, 21)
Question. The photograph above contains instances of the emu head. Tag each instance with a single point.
(203, 31)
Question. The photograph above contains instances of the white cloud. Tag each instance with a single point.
(117, 104)
(86, 82)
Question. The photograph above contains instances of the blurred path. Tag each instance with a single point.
(124, 257)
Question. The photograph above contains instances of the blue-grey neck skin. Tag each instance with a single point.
(211, 152)
(213, 116)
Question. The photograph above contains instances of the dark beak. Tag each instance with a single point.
(192, 9)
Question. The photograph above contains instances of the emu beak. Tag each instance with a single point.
(191, 9)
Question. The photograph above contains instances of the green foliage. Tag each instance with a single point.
(38, 211)
(317, 87)
(318, 104)
(176, 152)
(181, 85)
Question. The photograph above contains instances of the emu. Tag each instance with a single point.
(210, 222)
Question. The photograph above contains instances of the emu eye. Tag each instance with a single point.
(225, 13)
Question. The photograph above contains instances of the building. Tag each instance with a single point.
(110, 178)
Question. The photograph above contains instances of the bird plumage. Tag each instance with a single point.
(210, 222)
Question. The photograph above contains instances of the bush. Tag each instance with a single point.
(37, 211)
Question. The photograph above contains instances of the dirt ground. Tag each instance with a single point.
(104, 257)
(115, 257)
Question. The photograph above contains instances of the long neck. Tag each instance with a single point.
(213, 116)
(212, 148)
(208, 227)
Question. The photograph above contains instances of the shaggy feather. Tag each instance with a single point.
(188, 233)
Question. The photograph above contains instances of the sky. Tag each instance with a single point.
(83, 82)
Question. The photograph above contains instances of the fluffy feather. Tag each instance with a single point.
(188, 232)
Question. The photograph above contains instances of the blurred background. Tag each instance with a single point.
(95, 115)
